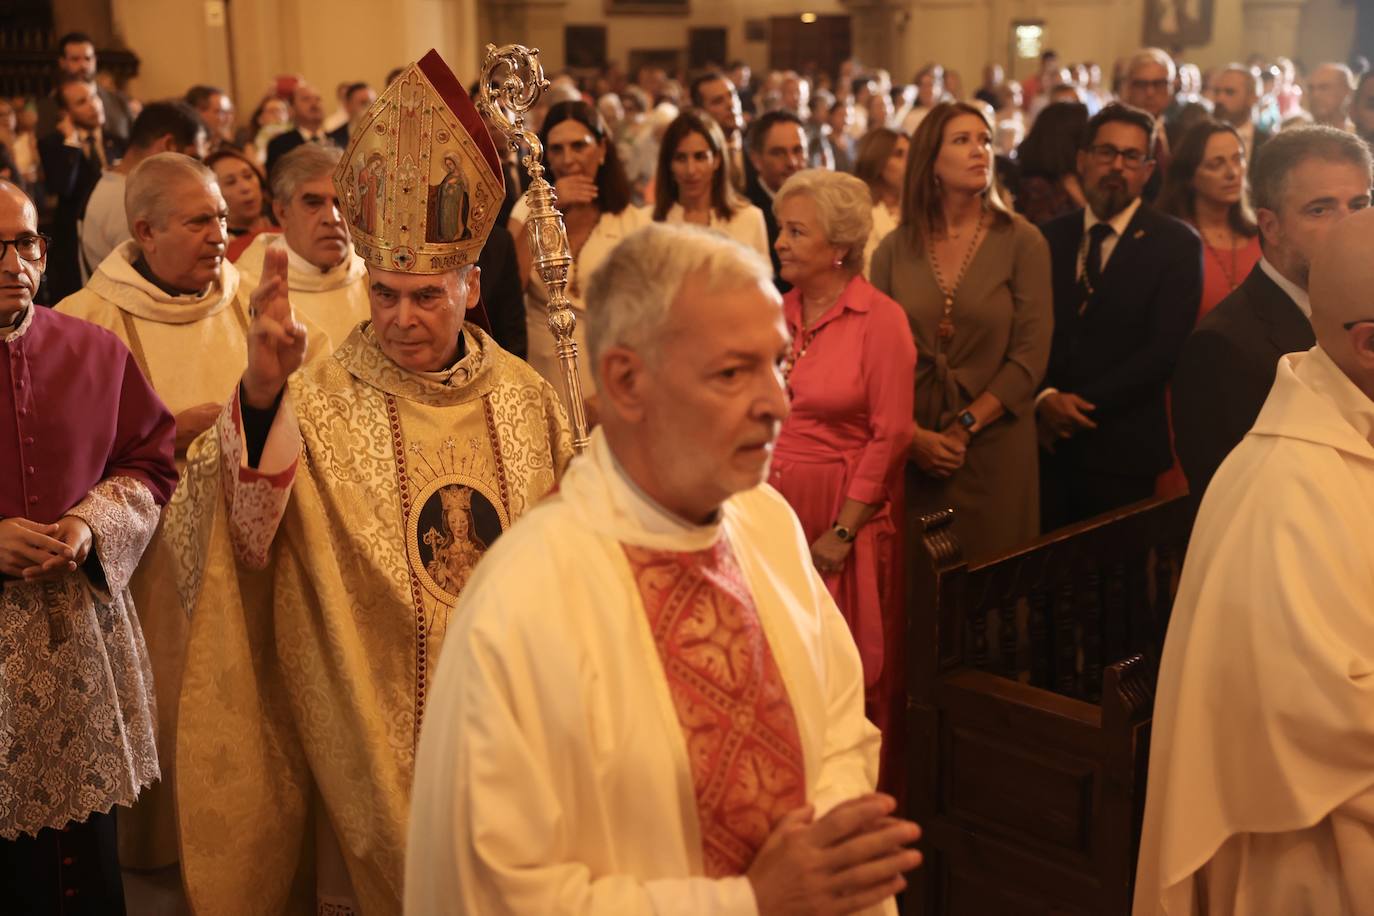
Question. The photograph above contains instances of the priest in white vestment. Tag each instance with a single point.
(328, 280)
(1261, 793)
(648, 702)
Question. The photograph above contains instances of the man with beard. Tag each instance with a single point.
(1127, 282)
(1235, 92)
(1305, 181)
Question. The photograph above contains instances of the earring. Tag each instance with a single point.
(838, 263)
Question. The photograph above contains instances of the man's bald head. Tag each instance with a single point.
(16, 206)
(1342, 293)
(20, 273)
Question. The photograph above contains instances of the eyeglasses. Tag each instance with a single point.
(1151, 85)
(29, 247)
(1105, 154)
(1350, 325)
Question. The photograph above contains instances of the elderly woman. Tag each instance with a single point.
(594, 196)
(974, 279)
(881, 165)
(693, 183)
(242, 185)
(850, 372)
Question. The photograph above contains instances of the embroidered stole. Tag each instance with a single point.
(741, 733)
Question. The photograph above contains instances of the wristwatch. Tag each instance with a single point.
(968, 421)
(843, 533)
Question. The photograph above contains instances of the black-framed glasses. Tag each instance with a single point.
(1350, 325)
(1106, 154)
(29, 247)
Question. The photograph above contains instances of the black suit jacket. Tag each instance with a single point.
(1226, 370)
(759, 198)
(339, 136)
(1120, 352)
(70, 175)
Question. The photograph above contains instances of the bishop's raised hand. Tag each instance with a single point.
(276, 340)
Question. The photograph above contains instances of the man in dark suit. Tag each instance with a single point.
(76, 57)
(73, 156)
(357, 98)
(1127, 282)
(307, 114)
(777, 151)
(1304, 180)
(1236, 91)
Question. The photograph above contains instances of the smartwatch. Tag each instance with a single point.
(968, 421)
(843, 533)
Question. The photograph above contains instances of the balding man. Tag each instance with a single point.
(175, 300)
(583, 754)
(1330, 89)
(87, 451)
(307, 116)
(327, 279)
(1261, 798)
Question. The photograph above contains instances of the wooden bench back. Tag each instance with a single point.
(1030, 688)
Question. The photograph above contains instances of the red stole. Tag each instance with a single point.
(741, 734)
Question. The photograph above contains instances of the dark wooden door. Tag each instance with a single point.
(819, 46)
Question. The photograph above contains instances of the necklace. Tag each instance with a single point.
(1230, 274)
(802, 342)
(946, 329)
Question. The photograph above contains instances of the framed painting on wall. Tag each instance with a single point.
(1171, 24)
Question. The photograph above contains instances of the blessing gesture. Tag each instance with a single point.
(276, 340)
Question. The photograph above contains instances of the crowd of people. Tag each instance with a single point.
(1032, 303)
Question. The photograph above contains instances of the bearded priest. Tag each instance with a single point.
(355, 496)
(650, 704)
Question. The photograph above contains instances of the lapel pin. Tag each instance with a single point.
(1140, 233)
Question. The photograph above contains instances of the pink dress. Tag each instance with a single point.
(847, 438)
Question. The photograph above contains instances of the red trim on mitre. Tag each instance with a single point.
(460, 103)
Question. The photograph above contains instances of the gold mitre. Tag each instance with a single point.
(421, 182)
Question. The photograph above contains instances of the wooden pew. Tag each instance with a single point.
(1030, 689)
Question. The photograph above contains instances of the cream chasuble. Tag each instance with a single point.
(335, 300)
(311, 656)
(192, 349)
(560, 770)
(1261, 794)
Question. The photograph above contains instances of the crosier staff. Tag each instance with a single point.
(512, 82)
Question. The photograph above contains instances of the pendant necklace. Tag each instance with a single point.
(804, 339)
(1230, 275)
(946, 328)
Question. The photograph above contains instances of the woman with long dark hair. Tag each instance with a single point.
(594, 197)
(1047, 163)
(693, 183)
(1206, 187)
(974, 280)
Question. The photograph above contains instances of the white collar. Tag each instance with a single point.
(299, 264)
(1118, 222)
(1294, 291)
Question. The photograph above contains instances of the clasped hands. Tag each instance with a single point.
(941, 453)
(1060, 415)
(33, 551)
(850, 859)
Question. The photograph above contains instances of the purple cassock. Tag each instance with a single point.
(74, 410)
(81, 434)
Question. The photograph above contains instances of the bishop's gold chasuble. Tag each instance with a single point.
(330, 574)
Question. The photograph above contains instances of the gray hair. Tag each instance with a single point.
(1287, 150)
(843, 204)
(629, 295)
(304, 163)
(150, 189)
(1151, 56)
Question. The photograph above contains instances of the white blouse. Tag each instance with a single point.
(746, 227)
